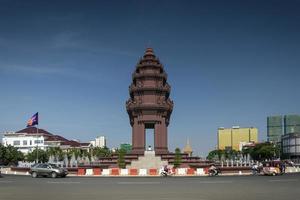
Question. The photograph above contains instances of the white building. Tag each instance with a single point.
(28, 139)
(25, 142)
(99, 142)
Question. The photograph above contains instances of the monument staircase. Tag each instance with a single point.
(148, 161)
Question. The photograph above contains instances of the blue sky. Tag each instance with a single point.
(228, 62)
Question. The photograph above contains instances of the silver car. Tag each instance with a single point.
(46, 169)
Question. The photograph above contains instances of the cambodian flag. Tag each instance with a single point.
(34, 120)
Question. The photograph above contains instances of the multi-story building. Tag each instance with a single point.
(290, 141)
(232, 138)
(99, 142)
(291, 124)
(282, 125)
(28, 139)
(25, 142)
(274, 129)
(291, 146)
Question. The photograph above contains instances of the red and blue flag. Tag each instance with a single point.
(34, 120)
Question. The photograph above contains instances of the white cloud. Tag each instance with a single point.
(51, 71)
(67, 39)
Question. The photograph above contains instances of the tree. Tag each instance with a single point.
(37, 153)
(75, 151)
(215, 155)
(56, 152)
(2, 154)
(10, 155)
(121, 158)
(101, 152)
(85, 153)
(223, 154)
(264, 151)
(177, 158)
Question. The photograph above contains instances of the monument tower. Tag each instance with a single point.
(149, 105)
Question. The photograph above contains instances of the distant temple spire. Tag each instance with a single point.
(188, 149)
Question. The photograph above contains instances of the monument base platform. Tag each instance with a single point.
(148, 161)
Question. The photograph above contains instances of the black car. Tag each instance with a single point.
(47, 169)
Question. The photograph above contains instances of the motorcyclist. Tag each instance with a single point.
(165, 170)
(282, 167)
(255, 169)
(213, 169)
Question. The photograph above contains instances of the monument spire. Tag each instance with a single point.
(149, 105)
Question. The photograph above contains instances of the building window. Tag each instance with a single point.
(24, 142)
(30, 142)
(16, 142)
(38, 141)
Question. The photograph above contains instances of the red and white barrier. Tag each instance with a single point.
(89, 172)
(181, 171)
(152, 172)
(142, 172)
(106, 172)
(124, 172)
(200, 172)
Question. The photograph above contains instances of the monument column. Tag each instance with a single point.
(161, 137)
(138, 137)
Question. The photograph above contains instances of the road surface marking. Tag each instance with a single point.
(6, 181)
(138, 183)
(284, 180)
(214, 182)
(56, 182)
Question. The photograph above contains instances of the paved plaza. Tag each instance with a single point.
(200, 188)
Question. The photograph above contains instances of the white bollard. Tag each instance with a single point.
(143, 172)
(105, 172)
(124, 172)
(200, 171)
(89, 172)
(181, 171)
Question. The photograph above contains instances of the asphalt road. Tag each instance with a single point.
(158, 188)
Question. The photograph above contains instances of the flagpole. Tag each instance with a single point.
(37, 144)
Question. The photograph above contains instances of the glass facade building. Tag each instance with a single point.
(274, 128)
(291, 146)
(291, 138)
(291, 124)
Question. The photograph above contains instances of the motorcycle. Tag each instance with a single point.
(164, 173)
(214, 172)
(255, 171)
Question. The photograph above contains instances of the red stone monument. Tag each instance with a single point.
(149, 105)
